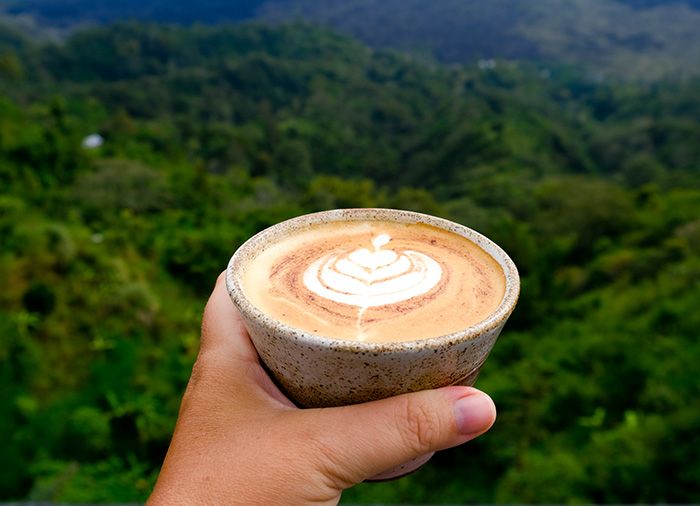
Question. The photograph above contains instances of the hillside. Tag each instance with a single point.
(107, 254)
(632, 39)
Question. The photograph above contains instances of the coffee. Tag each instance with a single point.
(374, 281)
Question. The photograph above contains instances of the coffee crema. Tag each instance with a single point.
(377, 281)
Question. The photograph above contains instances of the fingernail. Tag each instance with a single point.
(474, 413)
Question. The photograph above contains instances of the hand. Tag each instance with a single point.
(239, 440)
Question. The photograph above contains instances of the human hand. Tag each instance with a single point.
(239, 440)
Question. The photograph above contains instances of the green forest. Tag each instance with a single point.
(108, 252)
(640, 39)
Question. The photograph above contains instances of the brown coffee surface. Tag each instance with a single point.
(377, 281)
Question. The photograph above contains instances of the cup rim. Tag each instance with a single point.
(493, 321)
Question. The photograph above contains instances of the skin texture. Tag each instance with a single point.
(239, 440)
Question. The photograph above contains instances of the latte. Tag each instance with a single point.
(375, 281)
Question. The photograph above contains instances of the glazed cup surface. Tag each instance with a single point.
(321, 371)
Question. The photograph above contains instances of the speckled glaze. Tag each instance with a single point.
(320, 371)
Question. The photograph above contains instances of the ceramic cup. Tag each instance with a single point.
(320, 371)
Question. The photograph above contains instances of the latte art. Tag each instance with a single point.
(369, 278)
(374, 281)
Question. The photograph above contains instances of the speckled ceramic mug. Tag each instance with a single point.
(320, 371)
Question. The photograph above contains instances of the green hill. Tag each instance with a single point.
(633, 39)
(107, 254)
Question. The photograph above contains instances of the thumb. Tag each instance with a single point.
(370, 438)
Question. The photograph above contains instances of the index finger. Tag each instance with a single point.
(222, 326)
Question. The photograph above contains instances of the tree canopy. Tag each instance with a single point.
(210, 134)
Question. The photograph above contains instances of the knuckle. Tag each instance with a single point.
(321, 445)
(200, 380)
(328, 459)
(421, 425)
(207, 372)
(198, 372)
(204, 331)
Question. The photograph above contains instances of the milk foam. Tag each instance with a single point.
(370, 278)
(374, 280)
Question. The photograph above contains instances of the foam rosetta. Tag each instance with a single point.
(374, 280)
(370, 278)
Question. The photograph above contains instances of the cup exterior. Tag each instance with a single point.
(337, 374)
(319, 371)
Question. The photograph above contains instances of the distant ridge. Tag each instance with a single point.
(65, 13)
(629, 39)
(646, 4)
(622, 39)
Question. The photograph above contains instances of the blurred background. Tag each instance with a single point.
(142, 141)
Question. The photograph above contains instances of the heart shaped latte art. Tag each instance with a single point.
(370, 278)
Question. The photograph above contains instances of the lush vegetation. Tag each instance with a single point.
(107, 254)
(630, 39)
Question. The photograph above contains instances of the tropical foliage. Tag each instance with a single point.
(107, 253)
